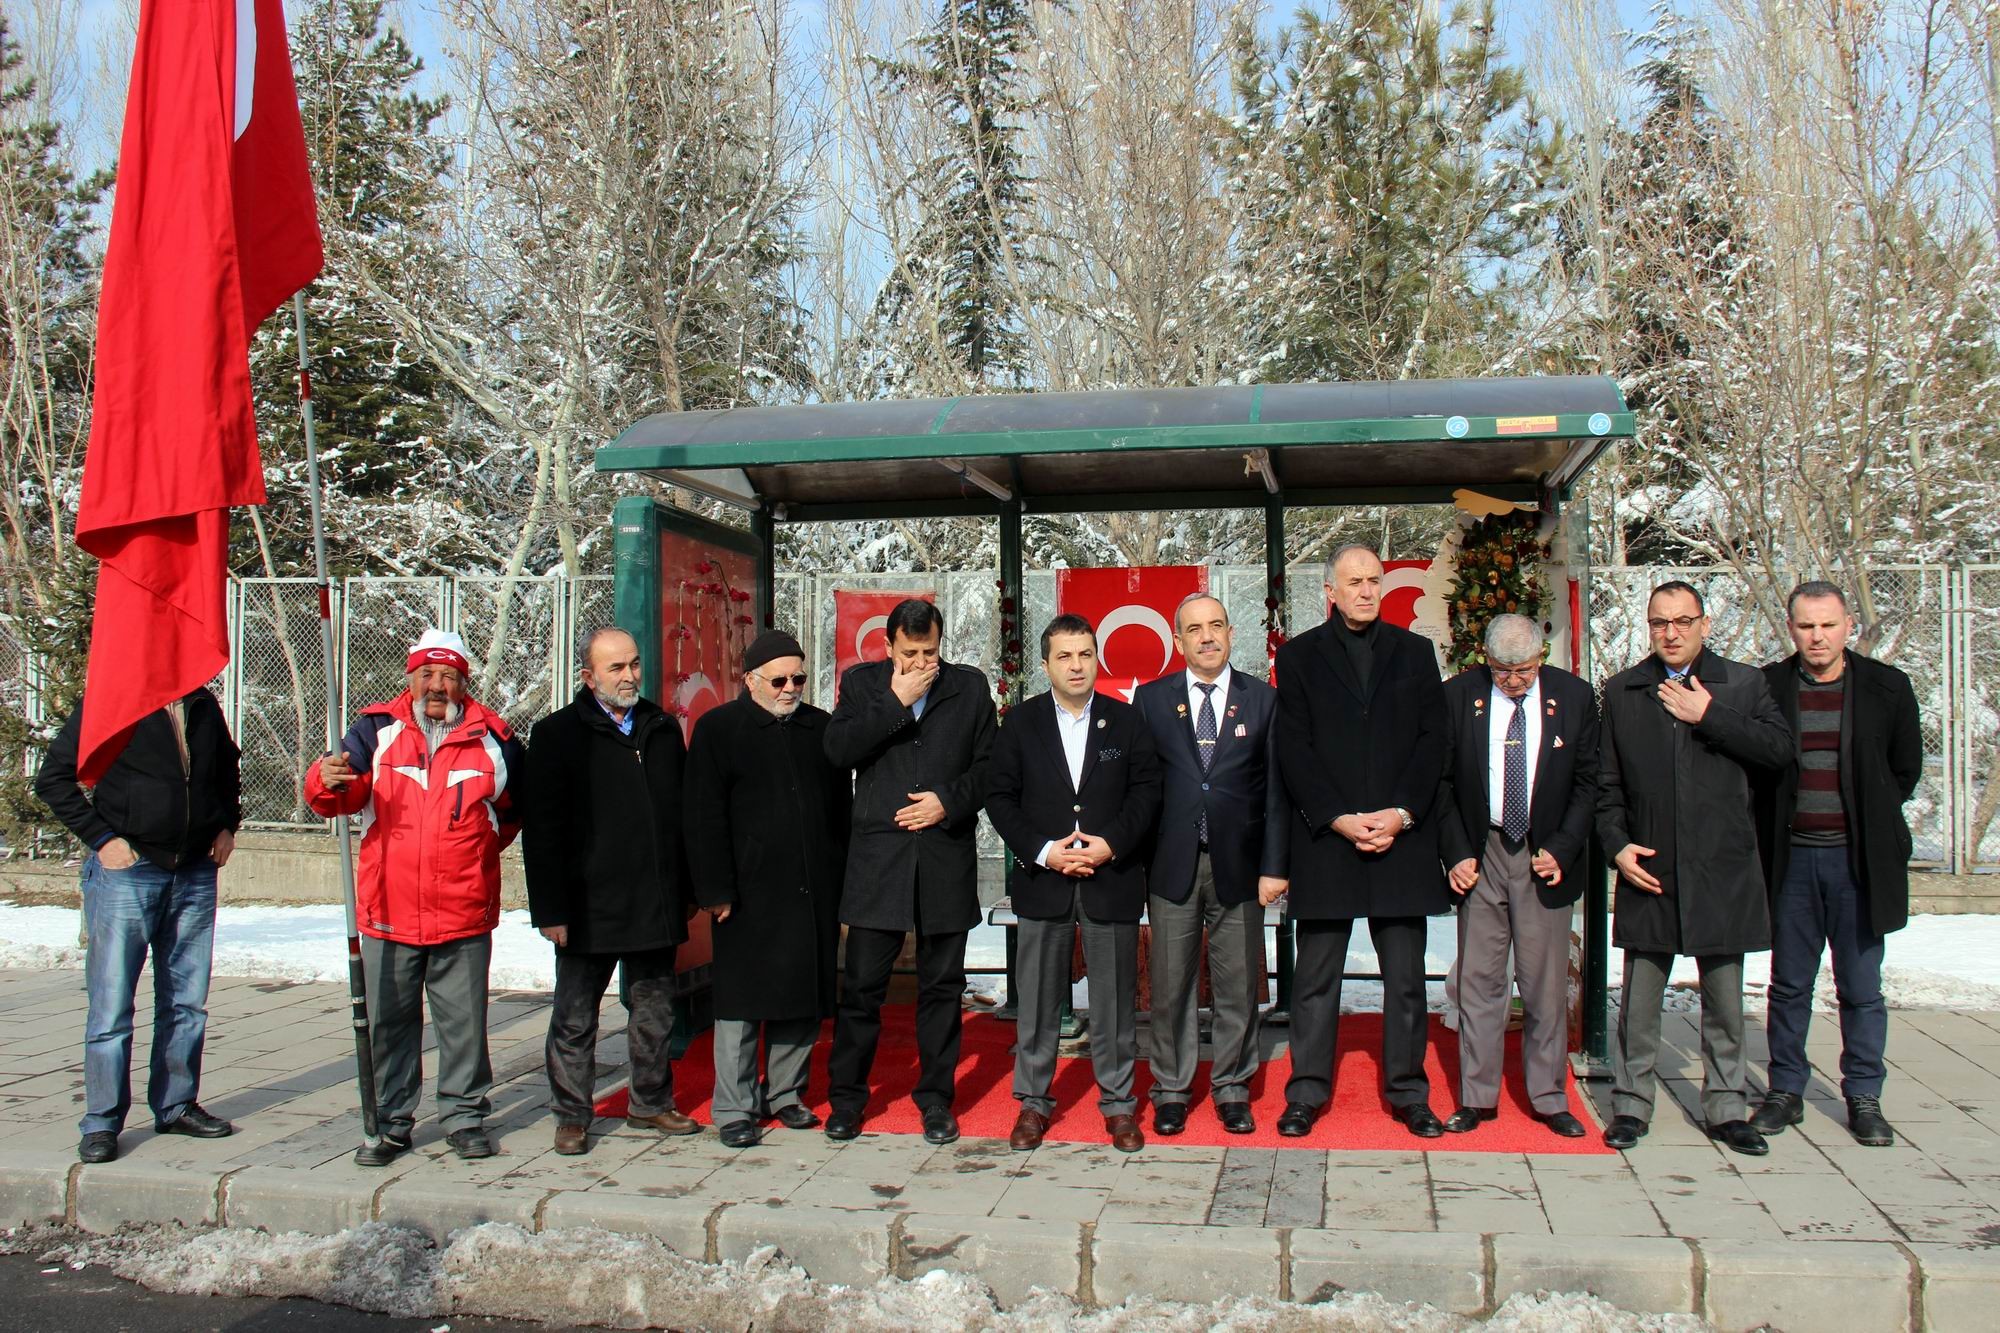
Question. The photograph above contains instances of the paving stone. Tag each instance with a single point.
(1037, 1199)
(1011, 1256)
(1298, 1190)
(439, 1207)
(1825, 1285)
(1445, 1269)
(33, 1188)
(831, 1244)
(1190, 1263)
(1632, 1272)
(114, 1193)
(1390, 1193)
(681, 1223)
(277, 1199)
(1961, 1286)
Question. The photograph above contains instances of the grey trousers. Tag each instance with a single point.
(1235, 971)
(452, 976)
(739, 1093)
(1041, 969)
(570, 1053)
(1725, 1080)
(1505, 908)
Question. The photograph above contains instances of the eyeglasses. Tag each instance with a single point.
(1658, 624)
(779, 682)
(1515, 673)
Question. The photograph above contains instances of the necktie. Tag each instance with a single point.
(1204, 739)
(1514, 773)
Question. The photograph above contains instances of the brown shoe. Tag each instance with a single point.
(1029, 1127)
(1124, 1132)
(667, 1122)
(572, 1140)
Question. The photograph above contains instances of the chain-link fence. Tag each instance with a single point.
(1975, 714)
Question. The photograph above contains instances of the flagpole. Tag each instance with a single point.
(357, 988)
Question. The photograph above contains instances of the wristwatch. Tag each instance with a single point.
(1409, 820)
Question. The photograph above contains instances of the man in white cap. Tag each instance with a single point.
(433, 775)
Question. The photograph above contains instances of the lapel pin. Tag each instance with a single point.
(1181, 709)
(1100, 724)
(1557, 744)
(1242, 730)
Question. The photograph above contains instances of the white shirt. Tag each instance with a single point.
(1496, 764)
(1074, 732)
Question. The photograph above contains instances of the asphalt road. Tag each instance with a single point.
(91, 1300)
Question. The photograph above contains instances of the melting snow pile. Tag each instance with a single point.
(616, 1281)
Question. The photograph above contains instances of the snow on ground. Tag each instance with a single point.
(1938, 962)
(568, 1277)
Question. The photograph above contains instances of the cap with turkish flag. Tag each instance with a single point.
(212, 228)
(439, 647)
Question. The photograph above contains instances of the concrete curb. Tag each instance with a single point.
(1878, 1285)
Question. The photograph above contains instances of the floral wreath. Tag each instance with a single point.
(1499, 571)
(1009, 684)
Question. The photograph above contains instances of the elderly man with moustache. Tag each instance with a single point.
(433, 773)
(1075, 790)
(772, 813)
(1513, 824)
(1218, 858)
(1685, 731)
(607, 882)
(1361, 742)
(1837, 853)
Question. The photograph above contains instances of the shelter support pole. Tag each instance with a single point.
(1597, 876)
(1011, 637)
(1274, 590)
(765, 529)
(357, 988)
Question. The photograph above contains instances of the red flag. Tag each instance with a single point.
(861, 626)
(1133, 612)
(212, 228)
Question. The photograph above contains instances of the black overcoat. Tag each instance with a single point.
(1348, 748)
(1241, 791)
(1881, 762)
(601, 828)
(767, 819)
(1032, 802)
(1666, 785)
(1564, 801)
(895, 874)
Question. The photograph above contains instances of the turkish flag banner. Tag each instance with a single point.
(861, 626)
(1133, 611)
(212, 228)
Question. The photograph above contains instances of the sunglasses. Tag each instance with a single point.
(779, 682)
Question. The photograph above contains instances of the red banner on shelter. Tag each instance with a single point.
(1133, 610)
(705, 619)
(860, 626)
(1402, 588)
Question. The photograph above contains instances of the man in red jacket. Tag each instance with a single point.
(432, 774)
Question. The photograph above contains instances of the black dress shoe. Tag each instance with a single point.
(471, 1144)
(1624, 1131)
(740, 1134)
(1169, 1118)
(381, 1152)
(1563, 1123)
(197, 1123)
(1778, 1111)
(940, 1125)
(1297, 1121)
(1738, 1136)
(101, 1146)
(795, 1116)
(843, 1125)
(1421, 1120)
(1468, 1118)
(1236, 1118)
(1871, 1129)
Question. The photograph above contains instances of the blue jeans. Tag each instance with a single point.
(1819, 904)
(127, 913)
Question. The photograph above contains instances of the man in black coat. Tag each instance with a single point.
(162, 822)
(918, 732)
(1218, 859)
(1074, 792)
(769, 814)
(1836, 854)
(1513, 824)
(1684, 731)
(607, 880)
(1361, 745)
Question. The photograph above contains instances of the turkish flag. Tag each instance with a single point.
(212, 228)
(1402, 589)
(860, 626)
(1133, 611)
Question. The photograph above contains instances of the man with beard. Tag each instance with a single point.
(770, 814)
(433, 774)
(607, 882)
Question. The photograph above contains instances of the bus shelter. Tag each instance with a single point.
(1272, 447)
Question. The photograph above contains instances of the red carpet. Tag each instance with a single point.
(1358, 1119)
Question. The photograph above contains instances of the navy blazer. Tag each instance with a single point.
(1242, 791)
(1031, 801)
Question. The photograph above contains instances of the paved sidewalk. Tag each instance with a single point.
(1822, 1233)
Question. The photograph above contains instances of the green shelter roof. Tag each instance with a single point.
(1131, 448)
